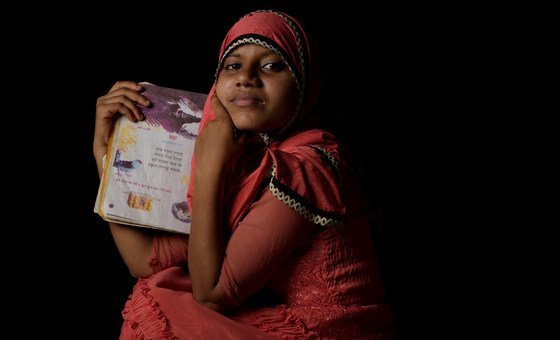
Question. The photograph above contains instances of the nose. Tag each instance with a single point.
(248, 77)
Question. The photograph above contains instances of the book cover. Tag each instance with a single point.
(147, 167)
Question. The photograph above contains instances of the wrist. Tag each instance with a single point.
(100, 154)
(99, 149)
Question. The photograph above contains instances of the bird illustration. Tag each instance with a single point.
(125, 166)
(175, 115)
(189, 130)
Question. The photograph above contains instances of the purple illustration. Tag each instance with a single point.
(181, 211)
(173, 111)
(125, 166)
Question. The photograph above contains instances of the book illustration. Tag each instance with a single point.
(123, 165)
(147, 169)
(181, 211)
(175, 114)
(140, 201)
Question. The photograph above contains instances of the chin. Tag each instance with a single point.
(244, 123)
(251, 123)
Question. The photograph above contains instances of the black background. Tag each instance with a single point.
(383, 94)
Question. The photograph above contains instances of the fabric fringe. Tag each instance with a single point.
(144, 316)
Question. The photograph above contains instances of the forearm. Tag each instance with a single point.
(206, 247)
(135, 246)
(99, 150)
(133, 243)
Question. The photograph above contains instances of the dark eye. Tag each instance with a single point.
(274, 66)
(232, 66)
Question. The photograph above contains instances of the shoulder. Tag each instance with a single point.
(311, 144)
(305, 175)
(313, 149)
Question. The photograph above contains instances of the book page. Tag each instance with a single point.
(147, 170)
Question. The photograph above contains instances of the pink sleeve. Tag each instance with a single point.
(168, 250)
(267, 235)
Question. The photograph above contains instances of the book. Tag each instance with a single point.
(147, 167)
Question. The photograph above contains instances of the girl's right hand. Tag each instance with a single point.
(217, 144)
(120, 100)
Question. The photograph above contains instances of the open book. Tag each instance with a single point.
(147, 166)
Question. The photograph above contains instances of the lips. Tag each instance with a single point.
(245, 99)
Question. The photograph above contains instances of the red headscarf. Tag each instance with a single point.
(300, 169)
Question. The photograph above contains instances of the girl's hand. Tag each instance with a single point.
(217, 144)
(120, 100)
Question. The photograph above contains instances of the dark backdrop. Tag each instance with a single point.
(379, 95)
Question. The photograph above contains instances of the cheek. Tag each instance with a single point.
(292, 96)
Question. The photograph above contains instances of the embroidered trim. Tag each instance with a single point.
(327, 155)
(265, 137)
(303, 65)
(298, 203)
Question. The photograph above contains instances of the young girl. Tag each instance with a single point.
(280, 242)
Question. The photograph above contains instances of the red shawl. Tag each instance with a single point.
(300, 169)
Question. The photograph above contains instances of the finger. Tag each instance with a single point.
(126, 84)
(133, 95)
(118, 107)
(126, 102)
(129, 98)
(219, 109)
(223, 115)
(129, 95)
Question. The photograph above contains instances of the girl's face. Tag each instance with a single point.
(257, 88)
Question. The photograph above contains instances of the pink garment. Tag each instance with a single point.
(305, 281)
